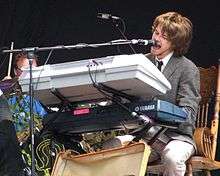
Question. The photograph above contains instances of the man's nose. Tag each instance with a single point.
(156, 38)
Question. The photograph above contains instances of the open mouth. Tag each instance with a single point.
(157, 46)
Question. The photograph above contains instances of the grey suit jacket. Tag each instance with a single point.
(184, 78)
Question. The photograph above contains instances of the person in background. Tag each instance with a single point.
(172, 33)
(11, 163)
(19, 103)
(21, 61)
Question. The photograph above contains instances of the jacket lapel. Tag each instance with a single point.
(170, 67)
(151, 58)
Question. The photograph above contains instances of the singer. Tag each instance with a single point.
(172, 34)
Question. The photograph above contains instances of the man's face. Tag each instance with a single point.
(22, 63)
(163, 45)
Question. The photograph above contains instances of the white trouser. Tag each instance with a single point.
(174, 156)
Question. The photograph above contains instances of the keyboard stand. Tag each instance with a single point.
(64, 101)
(115, 93)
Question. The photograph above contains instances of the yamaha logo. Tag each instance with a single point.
(144, 108)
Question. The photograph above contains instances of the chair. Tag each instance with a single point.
(207, 122)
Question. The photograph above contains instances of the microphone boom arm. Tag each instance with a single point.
(82, 45)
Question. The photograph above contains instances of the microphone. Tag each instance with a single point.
(107, 16)
(143, 42)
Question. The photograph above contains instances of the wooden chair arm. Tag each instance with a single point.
(202, 163)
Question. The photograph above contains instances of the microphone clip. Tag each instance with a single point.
(143, 42)
(107, 16)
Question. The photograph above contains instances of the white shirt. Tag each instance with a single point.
(165, 60)
(1, 92)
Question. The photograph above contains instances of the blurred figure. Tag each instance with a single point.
(20, 103)
(21, 61)
(11, 163)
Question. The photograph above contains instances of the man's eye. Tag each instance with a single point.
(165, 37)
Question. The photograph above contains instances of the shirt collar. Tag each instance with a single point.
(165, 60)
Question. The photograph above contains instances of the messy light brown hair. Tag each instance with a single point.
(178, 30)
(22, 55)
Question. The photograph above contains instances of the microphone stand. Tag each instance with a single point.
(30, 54)
(82, 45)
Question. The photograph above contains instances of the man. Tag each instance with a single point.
(21, 61)
(173, 33)
(20, 103)
(11, 163)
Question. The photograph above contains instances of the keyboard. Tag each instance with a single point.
(114, 117)
(134, 75)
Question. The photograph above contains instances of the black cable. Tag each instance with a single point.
(48, 57)
(105, 93)
(109, 97)
(96, 85)
(122, 32)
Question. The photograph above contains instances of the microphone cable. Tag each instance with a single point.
(100, 87)
(106, 94)
(114, 19)
(122, 33)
